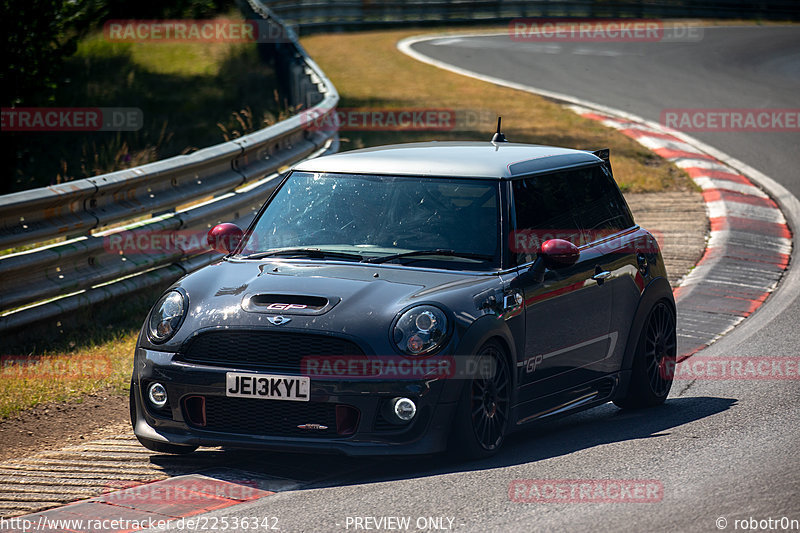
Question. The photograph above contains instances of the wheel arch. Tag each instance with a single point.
(657, 290)
(481, 331)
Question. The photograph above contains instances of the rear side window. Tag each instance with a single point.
(598, 203)
(580, 206)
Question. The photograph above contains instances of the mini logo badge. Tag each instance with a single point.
(278, 320)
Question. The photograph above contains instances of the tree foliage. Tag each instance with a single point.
(40, 34)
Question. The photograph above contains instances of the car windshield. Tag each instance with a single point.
(453, 223)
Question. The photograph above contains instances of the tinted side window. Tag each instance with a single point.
(543, 209)
(598, 203)
(580, 206)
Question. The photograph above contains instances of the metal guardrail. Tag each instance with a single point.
(225, 182)
(337, 15)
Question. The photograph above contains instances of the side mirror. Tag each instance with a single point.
(555, 253)
(224, 238)
(558, 253)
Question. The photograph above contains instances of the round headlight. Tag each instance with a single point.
(420, 330)
(166, 317)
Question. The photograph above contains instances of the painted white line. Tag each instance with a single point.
(781, 245)
(721, 208)
(703, 164)
(616, 124)
(702, 275)
(657, 143)
(717, 239)
(580, 109)
(754, 286)
(595, 52)
(707, 183)
(447, 42)
(405, 46)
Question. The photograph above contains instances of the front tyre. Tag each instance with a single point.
(160, 447)
(482, 417)
(654, 360)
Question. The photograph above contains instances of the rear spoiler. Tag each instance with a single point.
(602, 154)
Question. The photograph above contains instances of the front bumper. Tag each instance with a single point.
(273, 424)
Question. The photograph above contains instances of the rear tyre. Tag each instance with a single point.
(160, 447)
(482, 416)
(653, 361)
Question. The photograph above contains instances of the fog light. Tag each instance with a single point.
(404, 409)
(157, 395)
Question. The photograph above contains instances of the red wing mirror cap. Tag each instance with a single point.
(559, 253)
(224, 238)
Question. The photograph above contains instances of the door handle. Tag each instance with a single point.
(601, 276)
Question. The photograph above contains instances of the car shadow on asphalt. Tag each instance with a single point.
(293, 471)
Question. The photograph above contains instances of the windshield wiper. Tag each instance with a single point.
(449, 253)
(314, 253)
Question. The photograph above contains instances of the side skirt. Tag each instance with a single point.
(567, 402)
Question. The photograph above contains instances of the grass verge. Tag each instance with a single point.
(87, 352)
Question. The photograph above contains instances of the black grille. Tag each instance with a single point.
(269, 417)
(381, 424)
(262, 350)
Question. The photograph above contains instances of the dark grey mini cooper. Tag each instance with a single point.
(410, 298)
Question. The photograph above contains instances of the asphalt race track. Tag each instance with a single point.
(721, 450)
(739, 67)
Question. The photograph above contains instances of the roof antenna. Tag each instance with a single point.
(499, 137)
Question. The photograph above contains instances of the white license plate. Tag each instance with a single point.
(267, 386)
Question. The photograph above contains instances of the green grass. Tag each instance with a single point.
(88, 351)
(66, 373)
